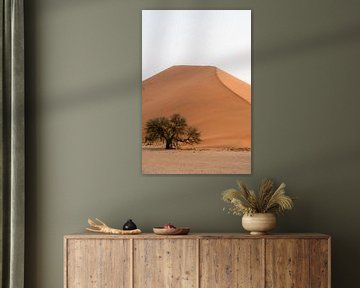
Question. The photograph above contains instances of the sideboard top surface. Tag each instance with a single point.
(87, 235)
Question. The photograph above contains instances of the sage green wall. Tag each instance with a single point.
(83, 126)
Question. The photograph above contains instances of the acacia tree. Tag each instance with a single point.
(171, 131)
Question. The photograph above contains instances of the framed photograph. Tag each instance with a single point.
(196, 92)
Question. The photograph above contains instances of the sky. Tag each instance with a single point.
(220, 38)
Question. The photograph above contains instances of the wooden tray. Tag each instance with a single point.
(171, 231)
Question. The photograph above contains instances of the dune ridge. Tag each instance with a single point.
(213, 101)
(239, 87)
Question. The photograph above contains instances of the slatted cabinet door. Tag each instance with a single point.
(231, 263)
(165, 263)
(98, 263)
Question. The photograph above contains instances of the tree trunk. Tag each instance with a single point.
(168, 144)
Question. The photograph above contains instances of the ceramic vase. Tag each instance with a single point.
(259, 223)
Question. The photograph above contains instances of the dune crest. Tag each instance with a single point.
(213, 101)
(236, 85)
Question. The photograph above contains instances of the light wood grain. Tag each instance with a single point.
(231, 263)
(165, 263)
(205, 260)
(287, 263)
(88, 235)
(98, 264)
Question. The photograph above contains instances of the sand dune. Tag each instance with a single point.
(213, 101)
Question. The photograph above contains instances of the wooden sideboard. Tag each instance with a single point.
(197, 260)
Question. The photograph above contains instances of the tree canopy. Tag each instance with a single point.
(172, 131)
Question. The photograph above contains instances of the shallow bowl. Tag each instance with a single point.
(171, 231)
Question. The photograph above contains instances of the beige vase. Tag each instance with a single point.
(259, 223)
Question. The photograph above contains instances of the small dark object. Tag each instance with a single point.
(129, 225)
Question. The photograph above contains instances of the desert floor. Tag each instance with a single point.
(159, 161)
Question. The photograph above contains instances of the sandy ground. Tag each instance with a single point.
(195, 162)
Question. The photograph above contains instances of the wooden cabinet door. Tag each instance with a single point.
(98, 263)
(231, 263)
(320, 263)
(287, 263)
(297, 263)
(165, 263)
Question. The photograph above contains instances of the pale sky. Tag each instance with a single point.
(220, 38)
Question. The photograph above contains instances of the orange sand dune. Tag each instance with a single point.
(213, 101)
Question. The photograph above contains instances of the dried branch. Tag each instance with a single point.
(101, 227)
